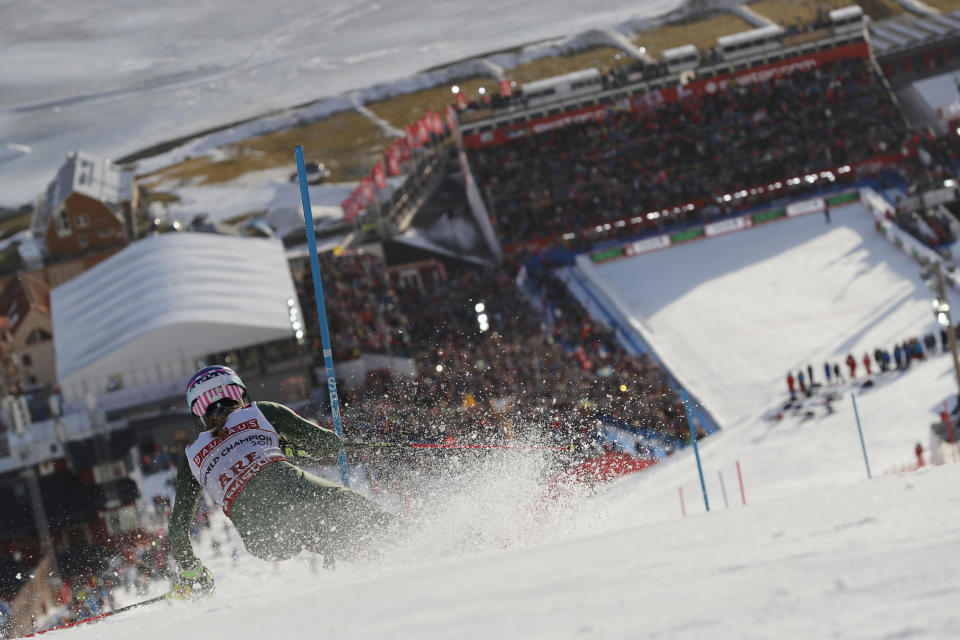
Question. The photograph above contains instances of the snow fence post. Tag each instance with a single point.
(321, 312)
(860, 431)
(696, 449)
(743, 495)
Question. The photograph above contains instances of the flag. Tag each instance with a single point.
(461, 100)
(506, 89)
(403, 149)
(393, 162)
(350, 209)
(423, 133)
(366, 188)
(379, 178)
(435, 122)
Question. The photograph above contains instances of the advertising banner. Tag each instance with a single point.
(817, 205)
(607, 254)
(647, 245)
(727, 226)
(687, 235)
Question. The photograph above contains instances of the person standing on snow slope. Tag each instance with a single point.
(277, 508)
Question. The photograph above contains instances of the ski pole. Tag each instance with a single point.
(101, 616)
(485, 447)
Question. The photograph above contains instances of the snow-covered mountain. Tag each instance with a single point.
(111, 77)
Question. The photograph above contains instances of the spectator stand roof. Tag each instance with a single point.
(932, 101)
(907, 31)
(145, 314)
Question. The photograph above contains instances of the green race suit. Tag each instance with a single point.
(284, 509)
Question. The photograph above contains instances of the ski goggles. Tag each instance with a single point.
(214, 395)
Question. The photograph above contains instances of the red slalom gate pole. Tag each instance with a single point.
(743, 496)
(946, 418)
(483, 447)
(101, 616)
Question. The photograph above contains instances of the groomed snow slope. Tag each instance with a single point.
(866, 560)
(732, 315)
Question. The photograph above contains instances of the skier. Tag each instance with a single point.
(790, 386)
(277, 508)
(866, 363)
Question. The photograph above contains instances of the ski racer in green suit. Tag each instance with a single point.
(277, 508)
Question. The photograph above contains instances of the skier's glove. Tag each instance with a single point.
(290, 450)
(195, 583)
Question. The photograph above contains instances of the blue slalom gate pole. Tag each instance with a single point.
(696, 449)
(321, 312)
(860, 431)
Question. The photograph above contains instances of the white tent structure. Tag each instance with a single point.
(144, 315)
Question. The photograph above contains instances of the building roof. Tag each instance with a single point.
(906, 31)
(82, 173)
(21, 295)
(167, 299)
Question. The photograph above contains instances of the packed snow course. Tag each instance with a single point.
(111, 77)
(732, 315)
(817, 551)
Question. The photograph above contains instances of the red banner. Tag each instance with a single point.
(461, 100)
(430, 122)
(366, 188)
(506, 89)
(379, 178)
(393, 162)
(351, 209)
(404, 148)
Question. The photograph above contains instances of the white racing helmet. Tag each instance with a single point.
(210, 385)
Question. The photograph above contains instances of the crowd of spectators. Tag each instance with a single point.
(862, 369)
(541, 370)
(692, 151)
(365, 317)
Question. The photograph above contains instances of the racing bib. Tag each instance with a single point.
(224, 466)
